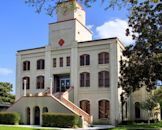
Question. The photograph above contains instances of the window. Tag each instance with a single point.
(104, 109)
(27, 79)
(26, 65)
(84, 60)
(68, 61)
(40, 82)
(85, 105)
(54, 62)
(85, 79)
(103, 58)
(137, 110)
(28, 116)
(103, 79)
(45, 109)
(40, 64)
(61, 61)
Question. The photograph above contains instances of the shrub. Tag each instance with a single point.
(9, 118)
(61, 120)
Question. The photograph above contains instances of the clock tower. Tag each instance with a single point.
(70, 25)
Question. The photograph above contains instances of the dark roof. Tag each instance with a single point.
(31, 49)
(99, 40)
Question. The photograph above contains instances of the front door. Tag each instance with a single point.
(64, 84)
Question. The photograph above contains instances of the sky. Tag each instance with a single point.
(22, 28)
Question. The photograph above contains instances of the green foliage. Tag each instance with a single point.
(61, 120)
(149, 104)
(21, 128)
(5, 93)
(9, 118)
(143, 63)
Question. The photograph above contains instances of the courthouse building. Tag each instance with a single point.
(72, 74)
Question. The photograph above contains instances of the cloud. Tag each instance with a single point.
(5, 71)
(114, 28)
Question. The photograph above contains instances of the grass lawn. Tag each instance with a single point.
(20, 128)
(142, 126)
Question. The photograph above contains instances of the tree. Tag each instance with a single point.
(149, 105)
(143, 63)
(5, 93)
(50, 6)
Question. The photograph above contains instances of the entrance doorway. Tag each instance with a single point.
(36, 115)
(61, 82)
(64, 84)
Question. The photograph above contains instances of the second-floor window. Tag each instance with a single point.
(61, 62)
(26, 81)
(40, 64)
(26, 65)
(68, 61)
(54, 62)
(84, 60)
(85, 79)
(40, 82)
(103, 58)
(103, 79)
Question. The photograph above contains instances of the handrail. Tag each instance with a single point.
(79, 111)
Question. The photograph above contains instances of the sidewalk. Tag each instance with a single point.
(95, 127)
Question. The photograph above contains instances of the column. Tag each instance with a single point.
(18, 76)
(74, 70)
(114, 113)
(48, 66)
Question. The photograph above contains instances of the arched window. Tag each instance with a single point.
(40, 82)
(27, 79)
(84, 60)
(137, 110)
(85, 79)
(85, 105)
(103, 79)
(26, 65)
(104, 109)
(28, 116)
(36, 115)
(45, 109)
(103, 58)
(40, 64)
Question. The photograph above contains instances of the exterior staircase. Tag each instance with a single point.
(63, 97)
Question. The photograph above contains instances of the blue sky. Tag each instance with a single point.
(22, 28)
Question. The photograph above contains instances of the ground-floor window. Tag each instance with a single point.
(45, 109)
(36, 115)
(28, 116)
(85, 105)
(104, 109)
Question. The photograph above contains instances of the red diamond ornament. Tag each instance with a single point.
(61, 42)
